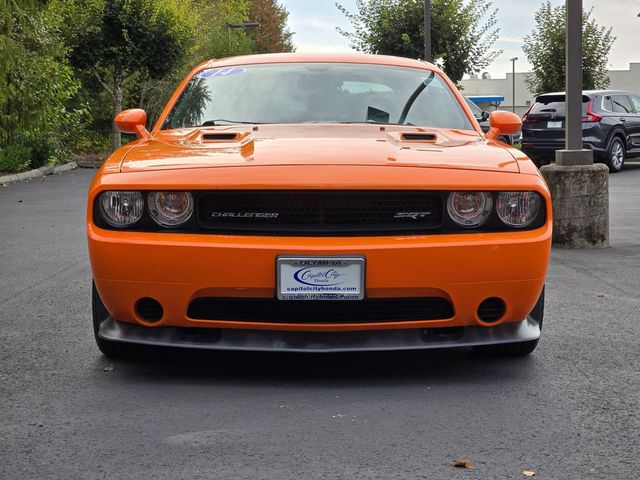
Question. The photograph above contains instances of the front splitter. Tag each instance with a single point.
(318, 342)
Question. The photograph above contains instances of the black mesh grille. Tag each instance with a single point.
(267, 310)
(312, 212)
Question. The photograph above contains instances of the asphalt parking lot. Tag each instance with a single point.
(570, 410)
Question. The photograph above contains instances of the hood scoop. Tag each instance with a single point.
(416, 136)
(221, 137)
(202, 137)
(419, 137)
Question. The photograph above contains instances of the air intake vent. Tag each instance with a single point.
(149, 309)
(491, 310)
(220, 137)
(419, 137)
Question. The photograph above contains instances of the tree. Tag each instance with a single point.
(215, 39)
(36, 82)
(211, 38)
(461, 35)
(273, 36)
(120, 40)
(545, 49)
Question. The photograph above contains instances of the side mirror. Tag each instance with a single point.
(133, 121)
(503, 123)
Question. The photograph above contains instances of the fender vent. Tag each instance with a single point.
(218, 137)
(419, 137)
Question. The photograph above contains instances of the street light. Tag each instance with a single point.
(513, 83)
(238, 26)
(245, 25)
(427, 31)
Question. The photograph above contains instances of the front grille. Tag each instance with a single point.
(372, 310)
(319, 213)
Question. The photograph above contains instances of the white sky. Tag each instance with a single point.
(314, 23)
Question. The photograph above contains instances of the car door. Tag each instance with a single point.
(634, 129)
(621, 106)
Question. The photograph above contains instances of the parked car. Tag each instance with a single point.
(482, 118)
(313, 202)
(610, 126)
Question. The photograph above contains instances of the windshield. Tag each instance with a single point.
(317, 93)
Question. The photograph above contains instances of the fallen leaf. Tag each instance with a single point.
(463, 464)
(108, 368)
(601, 295)
(530, 473)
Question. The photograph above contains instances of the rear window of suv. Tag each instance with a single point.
(555, 104)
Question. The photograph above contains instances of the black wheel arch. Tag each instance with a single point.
(621, 132)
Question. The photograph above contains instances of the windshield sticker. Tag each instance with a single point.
(220, 72)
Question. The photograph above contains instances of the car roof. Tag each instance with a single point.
(320, 58)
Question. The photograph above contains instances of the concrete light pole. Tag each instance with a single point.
(427, 31)
(513, 83)
(574, 153)
(579, 189)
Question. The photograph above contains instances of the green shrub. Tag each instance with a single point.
(41, 152)
(15, 158)
(91, 141)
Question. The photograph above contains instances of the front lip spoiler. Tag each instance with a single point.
(318, 342)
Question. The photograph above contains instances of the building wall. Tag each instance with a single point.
(620, 80)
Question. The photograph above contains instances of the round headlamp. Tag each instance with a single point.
(170, 209)
(518, 209)
(469, 209)
(121, 209)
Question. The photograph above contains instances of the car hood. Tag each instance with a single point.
(318, 145)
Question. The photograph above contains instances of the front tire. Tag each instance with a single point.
(99, 313)
(615, 155)
(516, 349)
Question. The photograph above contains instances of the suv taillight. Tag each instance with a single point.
(525, 117)
(591, 117)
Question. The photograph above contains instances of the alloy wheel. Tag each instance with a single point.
(617, 155)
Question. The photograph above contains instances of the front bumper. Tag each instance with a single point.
(175, 269)
(318, 342)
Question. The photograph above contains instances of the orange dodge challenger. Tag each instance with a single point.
(303, 202)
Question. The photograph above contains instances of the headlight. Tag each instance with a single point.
(121, 209)
(170, 209)
(517, 209)
(469, 209)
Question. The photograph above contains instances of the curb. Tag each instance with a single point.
(89, 163)
(36, 173)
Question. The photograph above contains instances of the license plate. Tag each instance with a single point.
(320, 278)
(554, 124)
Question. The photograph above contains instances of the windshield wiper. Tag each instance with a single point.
(414, 95)
(216, 122)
